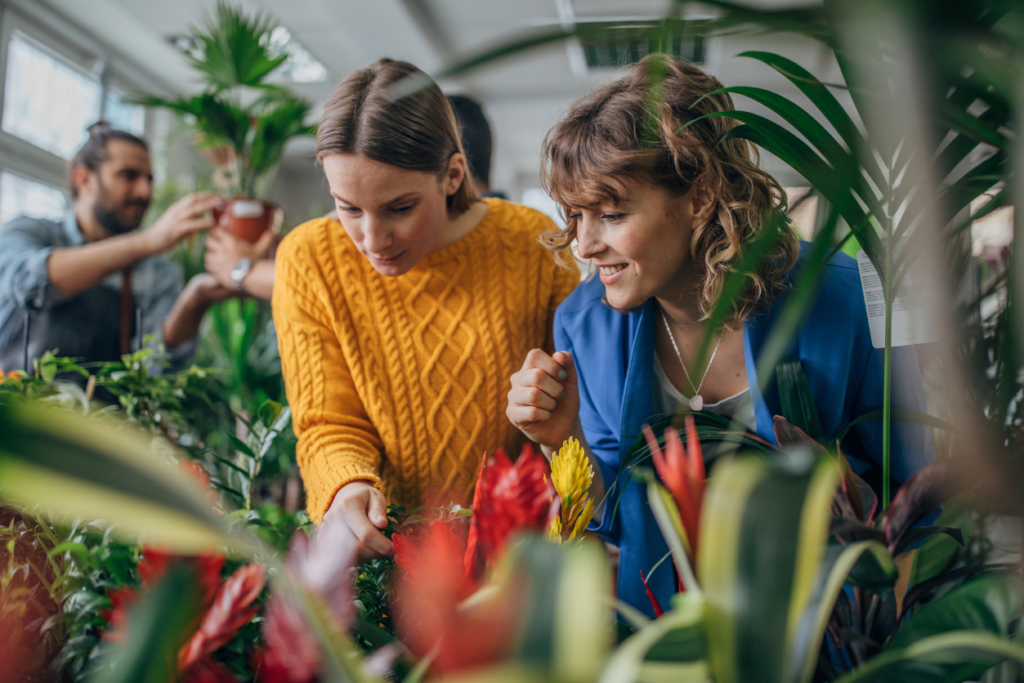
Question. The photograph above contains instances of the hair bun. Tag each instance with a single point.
(100, 127)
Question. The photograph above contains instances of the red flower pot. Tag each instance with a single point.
(247, 218)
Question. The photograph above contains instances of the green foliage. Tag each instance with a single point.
(232, 54)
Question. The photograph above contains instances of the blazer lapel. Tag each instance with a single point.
(638, 393)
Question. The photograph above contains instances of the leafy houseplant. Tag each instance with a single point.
(242, 122)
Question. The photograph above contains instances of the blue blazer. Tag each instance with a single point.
(614, 355)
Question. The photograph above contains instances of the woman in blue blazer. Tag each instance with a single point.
(664, 205)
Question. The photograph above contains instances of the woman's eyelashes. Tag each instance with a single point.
(613, 217)
(403, 209)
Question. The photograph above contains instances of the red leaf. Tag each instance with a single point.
(292, 654)
(231, 610)
(682, 472)
(427, 604)
(658, 611)
(207, 670)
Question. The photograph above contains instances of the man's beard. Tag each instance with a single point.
(116, 218)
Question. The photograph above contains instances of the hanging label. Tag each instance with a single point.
(914, 310)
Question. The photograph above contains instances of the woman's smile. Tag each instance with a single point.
(612, 273)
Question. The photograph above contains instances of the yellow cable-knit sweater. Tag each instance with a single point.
(402, 381)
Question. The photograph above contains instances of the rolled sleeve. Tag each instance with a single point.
(25, 248)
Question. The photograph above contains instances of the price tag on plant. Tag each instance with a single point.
(914, 309)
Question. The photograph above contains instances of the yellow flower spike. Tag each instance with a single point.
(571, 475)
(555, 530)
(583, 520)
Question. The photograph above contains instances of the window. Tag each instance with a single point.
(301, 67)
(21, 196)
(48, 101)
(122, 114)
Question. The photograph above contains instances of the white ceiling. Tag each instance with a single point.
(523, 96)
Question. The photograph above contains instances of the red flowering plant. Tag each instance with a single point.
(445, 608)
(508, 498)
(226, 607)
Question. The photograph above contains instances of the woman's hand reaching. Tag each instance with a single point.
(544, 402)
(364, 510)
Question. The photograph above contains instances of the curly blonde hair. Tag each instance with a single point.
(644, 127)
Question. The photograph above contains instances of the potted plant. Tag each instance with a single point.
(241, 121)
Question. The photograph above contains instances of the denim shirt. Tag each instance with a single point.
(614, 356)
(25, 247)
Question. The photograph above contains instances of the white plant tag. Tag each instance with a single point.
(244, 209)
(914, 309)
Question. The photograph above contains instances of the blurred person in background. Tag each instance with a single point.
(400, 324)
(477, 141)
(93, 286)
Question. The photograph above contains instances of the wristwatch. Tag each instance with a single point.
(239, 272)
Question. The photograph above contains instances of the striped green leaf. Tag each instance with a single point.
(72, 466)
(670, 648)
(763, 528)
(832, 574)
(947, 658)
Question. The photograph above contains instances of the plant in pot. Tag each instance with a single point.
(241, 121)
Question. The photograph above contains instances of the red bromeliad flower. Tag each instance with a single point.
(682, 472)
(227, 607)
(509, 498)
(152, 568)
(429, 616)
(232, 609)
(321, 565)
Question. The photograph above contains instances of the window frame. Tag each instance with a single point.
(71, 44)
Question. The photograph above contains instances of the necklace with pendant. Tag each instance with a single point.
(697, 402)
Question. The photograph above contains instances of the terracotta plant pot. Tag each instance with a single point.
(247, 218)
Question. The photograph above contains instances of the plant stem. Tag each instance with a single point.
(887, 396)
(887, 372)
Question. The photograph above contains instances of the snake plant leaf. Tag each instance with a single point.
(158, 625)
(563, 631)
(70, 465)
(836, 567)
(672, 647)
(766, 524)
(951, 657)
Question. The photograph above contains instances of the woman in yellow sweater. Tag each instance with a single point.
(400, 325)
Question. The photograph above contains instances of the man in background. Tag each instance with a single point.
(93, 286)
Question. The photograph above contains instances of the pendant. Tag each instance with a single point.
(696, 403)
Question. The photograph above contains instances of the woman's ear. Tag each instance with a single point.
(703, 203)
(457, 171)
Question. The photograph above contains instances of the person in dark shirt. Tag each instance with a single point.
(477, 141)
(92, 286)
